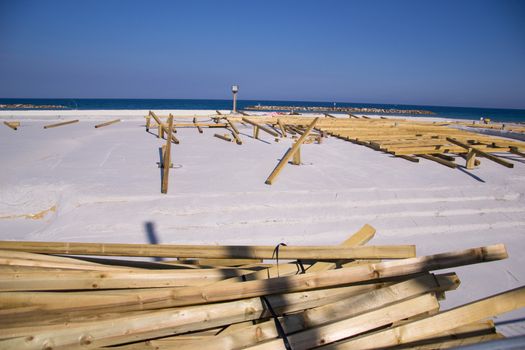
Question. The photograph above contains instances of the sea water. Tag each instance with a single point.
(499, 115)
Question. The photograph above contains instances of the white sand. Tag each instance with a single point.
(106, 186)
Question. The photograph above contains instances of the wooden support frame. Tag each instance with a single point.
(260, 126)
(481, 153)
(162, 128)
(12, 125)
(49, 126)
(166, 161)
(289, 154)
(109, 123)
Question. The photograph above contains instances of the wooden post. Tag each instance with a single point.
(167, 157)
(290, 153)
(281, 126)
(296, 158)
(148, 121)
(235, 132)
(12, 125)
(108, 123)
(471, 159)
(60, 124)
(255, 132)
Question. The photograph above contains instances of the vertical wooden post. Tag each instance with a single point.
(167, 157)
(255, 132)
(148, 121)
(471, 159)
(281, 126)
(296, 158)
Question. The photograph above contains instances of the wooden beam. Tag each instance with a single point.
(281, 126)
(60, 124)
(211, 251)
(223, 137)
(409, 158)
(289, 154)
(12, 125)
(481, 153)
(107, 123)
(367, 321)
(438, 160)
(260, 126)
(361, 237)
(329, 115)
(235, 132)
(441, 322)
(514, 150)
(166, 161)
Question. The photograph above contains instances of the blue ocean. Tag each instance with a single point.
(500, 115)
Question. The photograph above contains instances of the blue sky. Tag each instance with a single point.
(452, 53)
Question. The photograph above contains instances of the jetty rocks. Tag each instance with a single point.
(339, 109)
(29, 106)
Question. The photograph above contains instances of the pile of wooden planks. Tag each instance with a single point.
(350, 296)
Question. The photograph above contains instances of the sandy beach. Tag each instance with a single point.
(81, 184)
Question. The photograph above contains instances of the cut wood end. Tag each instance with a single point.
(494, 252)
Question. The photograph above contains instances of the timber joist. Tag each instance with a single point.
(231, 301)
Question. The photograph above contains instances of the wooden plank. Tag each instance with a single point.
(107, 123)
(438, 160)
(125, 279)
(260, 126)
(409, 158)
(329, 115)
(338, 310)
(169, 297)
(223, 137)
(355, 325)
(167, 156)
(481, 153)
(235, 132)
(441, 322)
(211, 251)
(204, 125)
(60, 124)
(12, 125)
(152, 324)
(289, 154)
(361, 237)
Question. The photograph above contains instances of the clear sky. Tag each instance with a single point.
(452, 53)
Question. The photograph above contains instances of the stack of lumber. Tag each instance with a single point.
(350, 296)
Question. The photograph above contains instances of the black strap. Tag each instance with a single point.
(278, 324)
(276, 254)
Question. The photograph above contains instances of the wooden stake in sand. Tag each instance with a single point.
(290, 153)
(60, 124)
(223, 137)
(12, 125)
(167, 156)
(107, 123)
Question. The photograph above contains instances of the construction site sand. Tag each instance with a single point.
(78, 183)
